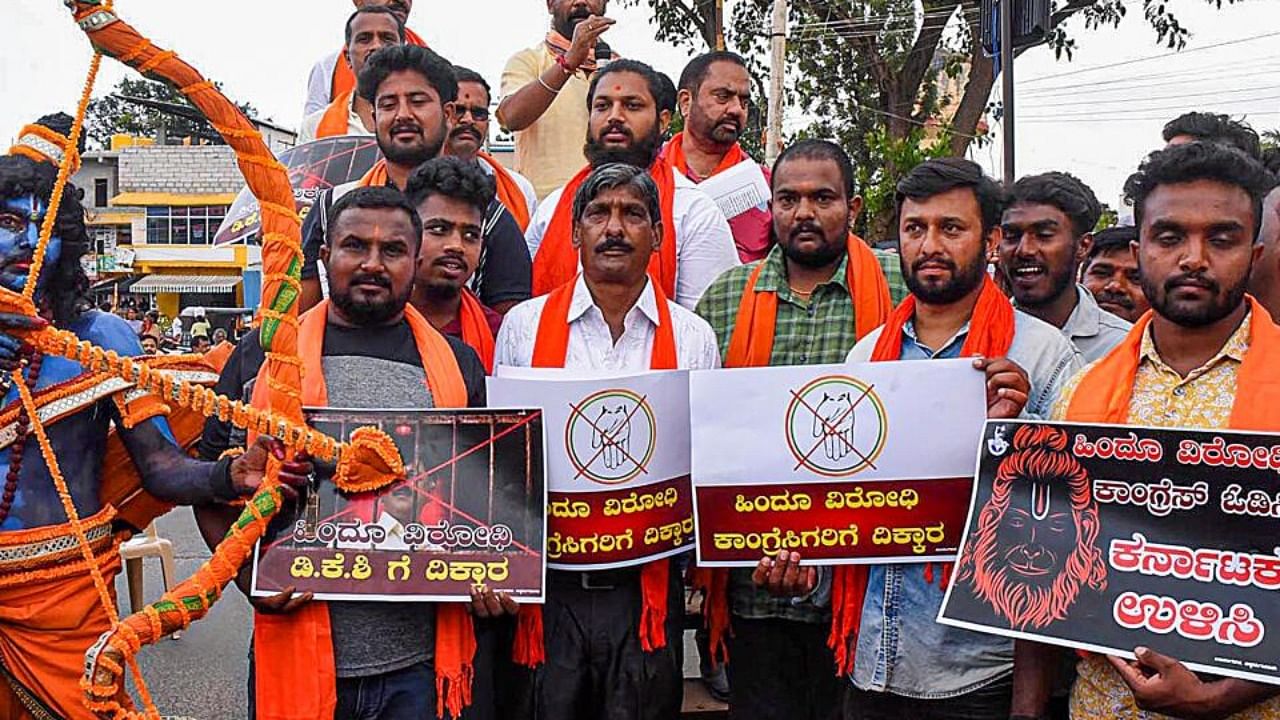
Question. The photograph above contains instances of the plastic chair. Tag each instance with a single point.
(134, 551)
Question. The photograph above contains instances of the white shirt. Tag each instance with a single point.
(311, 123)
(704, 243)
(591, 345)
(320, 84)
(526, 187)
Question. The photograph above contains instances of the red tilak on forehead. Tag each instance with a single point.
(1039, 500)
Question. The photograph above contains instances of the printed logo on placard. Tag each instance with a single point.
(836, 426)
(611, 436)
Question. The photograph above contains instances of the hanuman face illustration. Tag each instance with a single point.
(1034, 547)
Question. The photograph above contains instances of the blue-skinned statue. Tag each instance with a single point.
(113, 445)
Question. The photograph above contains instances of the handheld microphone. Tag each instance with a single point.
(604, 53)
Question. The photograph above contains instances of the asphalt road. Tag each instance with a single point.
(204, 674)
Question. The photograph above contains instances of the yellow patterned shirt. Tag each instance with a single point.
(1163, 398)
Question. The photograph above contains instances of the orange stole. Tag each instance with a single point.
(991, 329)
(1105, 392)
(344, 78)
(377, 175)
(509, 193)
(49, 615)
(336, 118)
(751, 345)
(296, 678)
(673, 156)
(475, 328)
(550, 351)
(556, 263)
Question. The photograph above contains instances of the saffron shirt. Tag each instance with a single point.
(902, 649)
(704, 243)
(311, 123)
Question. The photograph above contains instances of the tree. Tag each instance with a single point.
(880, 75)
(121, 113)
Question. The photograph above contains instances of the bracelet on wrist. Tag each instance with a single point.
(547, 87)
(564, 65)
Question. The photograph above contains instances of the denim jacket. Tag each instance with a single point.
(902, 649)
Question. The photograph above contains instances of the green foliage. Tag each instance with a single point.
(1108, 219)
(112, 114)
(871, 74)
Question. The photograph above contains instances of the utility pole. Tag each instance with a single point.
(1006, 77)
(777, 65)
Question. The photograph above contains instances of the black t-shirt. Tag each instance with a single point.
(391, 342)
(505, 271)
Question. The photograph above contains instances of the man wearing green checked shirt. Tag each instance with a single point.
(808, 302)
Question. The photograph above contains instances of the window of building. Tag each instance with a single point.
(173, 225)
(100, 192)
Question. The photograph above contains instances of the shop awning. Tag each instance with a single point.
(185, 284)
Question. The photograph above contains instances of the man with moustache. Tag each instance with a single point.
(451, 195)
(818, 291)
(468, 132)
(1205, 358)
(902, 663)
(1111, 274)
(624, 128)
(544, 92)
(334, 74)
(1046, 231)
(601, 661)
(365, 347)
(369, 29)
(714, 98)
(1266, 273)
(412, 91)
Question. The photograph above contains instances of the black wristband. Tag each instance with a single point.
(220, 481)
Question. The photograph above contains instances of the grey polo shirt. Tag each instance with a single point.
(1091, 329)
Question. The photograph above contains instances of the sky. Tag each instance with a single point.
(1095, 116)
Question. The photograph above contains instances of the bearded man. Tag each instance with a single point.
(625, 127)
(50, 611)
(714, 99)
(413, 92)
(1034, 551)
(1205, 357)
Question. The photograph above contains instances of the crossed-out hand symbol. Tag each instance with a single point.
(612, 431)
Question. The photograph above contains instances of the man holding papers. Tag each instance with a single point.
(607, 643)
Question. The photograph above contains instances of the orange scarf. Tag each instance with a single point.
(673, 156)
(1105, 392)
(377, 175)
(509, 193)
(991, 329)
(336, 120)
(556, 263)
(751, 345)
(475, 328)
(550, 351)
(344, 78)
(293, 654)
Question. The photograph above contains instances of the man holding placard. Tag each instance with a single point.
(1206, 357)
(815, 294)
(902, 663)
(608, 638)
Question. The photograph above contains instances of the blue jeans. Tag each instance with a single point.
(406, 694)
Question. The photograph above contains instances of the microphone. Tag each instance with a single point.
(604, 53)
